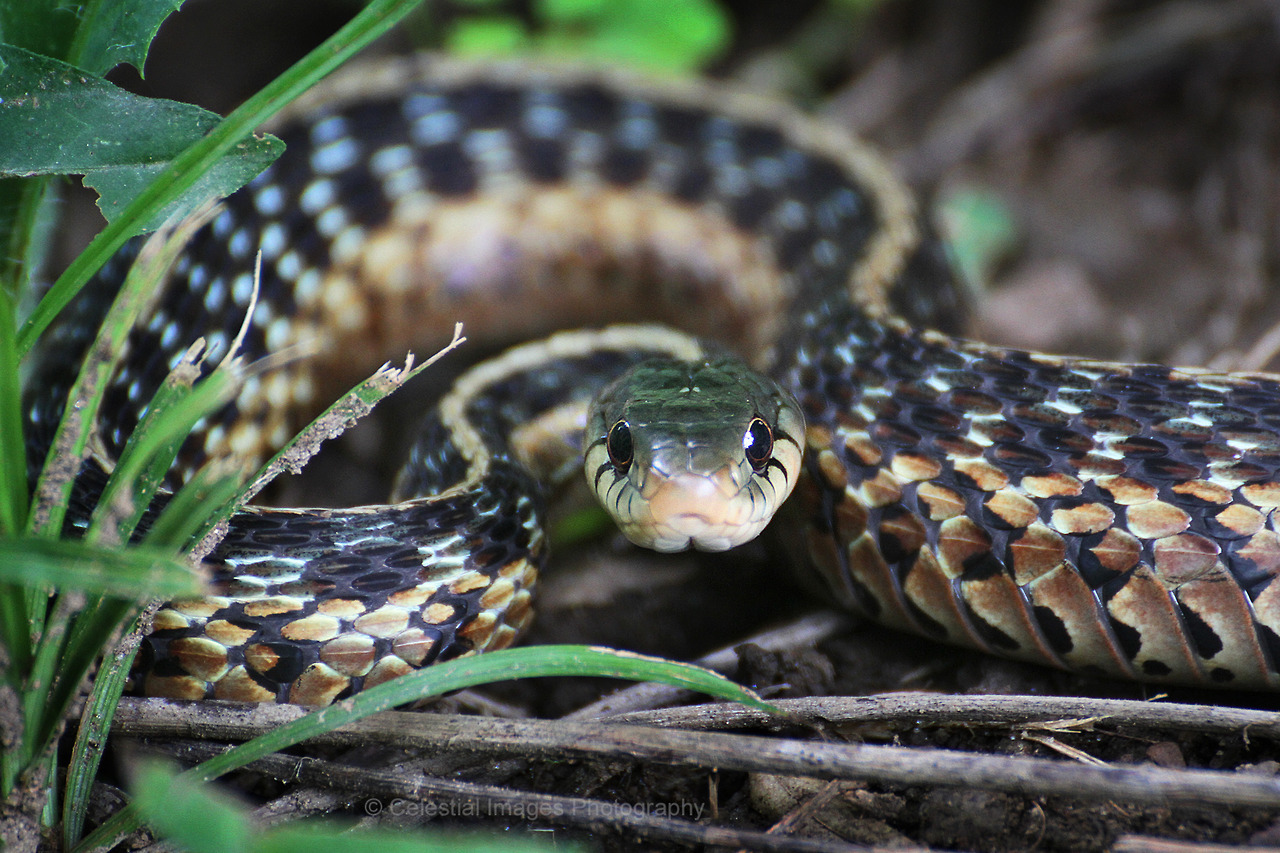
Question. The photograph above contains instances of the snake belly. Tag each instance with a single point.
(1106, 518)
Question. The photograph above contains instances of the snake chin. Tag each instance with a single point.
(694, 510)
(691, 531)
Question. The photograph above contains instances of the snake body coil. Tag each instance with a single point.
(1100, 517)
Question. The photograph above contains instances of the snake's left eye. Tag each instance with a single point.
(619, 445)
(757, 444)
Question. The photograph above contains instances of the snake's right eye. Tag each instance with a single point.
(619, 445)
(757, 445)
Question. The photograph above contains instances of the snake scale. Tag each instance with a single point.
(1106, 518)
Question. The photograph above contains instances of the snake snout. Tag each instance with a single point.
(697, 510)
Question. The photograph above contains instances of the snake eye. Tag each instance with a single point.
(618, 443)
(757, 444)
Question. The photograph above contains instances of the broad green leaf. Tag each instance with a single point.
(43, 26)
(57, 119)
(96, 35)
(114, 31)
(375, 19)
(116, 187)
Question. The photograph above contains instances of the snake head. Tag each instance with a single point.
(693, 454)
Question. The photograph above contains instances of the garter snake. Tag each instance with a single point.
(1108, 518)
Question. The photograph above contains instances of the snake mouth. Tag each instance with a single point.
(709, 512)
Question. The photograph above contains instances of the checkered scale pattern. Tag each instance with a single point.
(1107, 518)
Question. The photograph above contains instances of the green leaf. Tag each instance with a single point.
(56, 119)
(673, 35)
(112, 32)
(43, 26)
(66, 654)
(497, 35)
(137, 572)
(70, 637)
(196, 508)
(376, 18)
(96, 35)
(170, 416)
(190, 815)
(117, 186)
(27, 222)
(980, 232)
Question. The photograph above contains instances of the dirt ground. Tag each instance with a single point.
(1133, 149)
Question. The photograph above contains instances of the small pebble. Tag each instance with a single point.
(1166, 754)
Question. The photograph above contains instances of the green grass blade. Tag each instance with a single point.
(84, 400)
(149, 454)
(116, 140)
(24, 230)
(13, 454)
(42, 675)
(91, 741)
(15, 622)
(351, 407)
(74, 565)
(15, 629)
(195, 509)
(73, 636)
(83, 647)
(40, 666)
